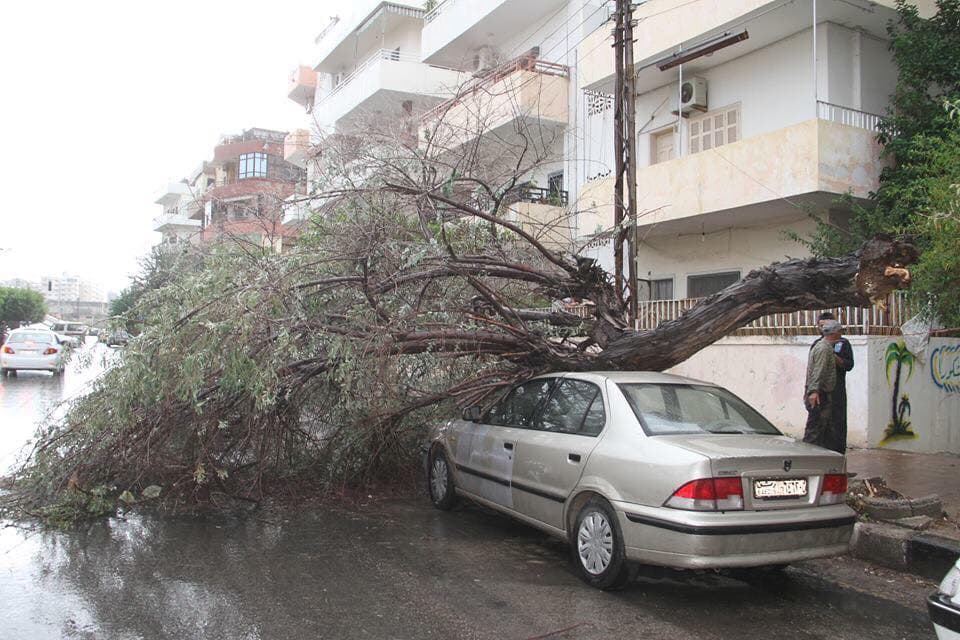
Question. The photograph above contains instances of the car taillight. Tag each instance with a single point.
(708, 494)
(7, 349)
(49, 351)
(834, 488)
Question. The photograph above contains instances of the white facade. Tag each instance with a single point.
(769, 373)
(70, 288)
(180, 218)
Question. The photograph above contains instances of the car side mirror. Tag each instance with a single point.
(472, 413)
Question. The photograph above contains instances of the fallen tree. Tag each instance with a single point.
(412, 291)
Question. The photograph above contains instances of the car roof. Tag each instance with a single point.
(637, 377)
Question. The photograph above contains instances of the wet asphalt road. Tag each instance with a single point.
(386, 569)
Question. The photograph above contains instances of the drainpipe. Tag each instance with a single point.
(816, 88)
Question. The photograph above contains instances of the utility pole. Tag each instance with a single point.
(625, 150)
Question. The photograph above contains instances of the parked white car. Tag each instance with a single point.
(32, 350)
(944, 606)
(633, 467)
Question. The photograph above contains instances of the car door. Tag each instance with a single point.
(485, 451)
(551, 457)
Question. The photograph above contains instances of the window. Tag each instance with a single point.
(709, 283)
(684, 408)
(661, 289)
(575, 407)
(518, 408)
(555, 183)
(714, 129)
(17, 337)
(252, 165)
(662, 146)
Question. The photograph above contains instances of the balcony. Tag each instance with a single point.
(381, 83)
(303, 84)
(873, 320)
(749, 181)
(174, 222)
(362, 28)
(170, 195)
(296, 147)
(523, 89)
(454, 29)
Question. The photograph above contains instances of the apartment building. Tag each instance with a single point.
(238, 195)
(460, 70)
(751, 115)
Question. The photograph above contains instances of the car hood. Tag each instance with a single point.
(720, 446)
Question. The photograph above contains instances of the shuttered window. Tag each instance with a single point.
(714, 129)
(708, 284)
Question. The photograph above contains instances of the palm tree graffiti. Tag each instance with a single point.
(899, 427)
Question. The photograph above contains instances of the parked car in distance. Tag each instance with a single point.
(634, 467)
(32, 350)
(118, 339)
(68, 341)
(944, 606)
(75, 329)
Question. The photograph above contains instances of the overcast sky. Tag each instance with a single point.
(104, 101)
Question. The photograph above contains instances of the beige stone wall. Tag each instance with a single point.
(812, 156)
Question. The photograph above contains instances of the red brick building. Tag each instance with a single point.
(251, 180)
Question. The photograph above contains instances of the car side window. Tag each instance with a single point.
(519, 407)
(575, 407)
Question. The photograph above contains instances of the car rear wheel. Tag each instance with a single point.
(440, 481)
(598, 547)
(6, 372)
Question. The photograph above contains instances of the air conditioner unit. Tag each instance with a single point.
(693, 95)
(485, 58)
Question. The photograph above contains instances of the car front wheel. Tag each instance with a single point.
(598, 549)
(440, 481)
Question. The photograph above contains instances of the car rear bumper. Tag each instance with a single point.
(945, 617)
(38, 362)
(688, 539)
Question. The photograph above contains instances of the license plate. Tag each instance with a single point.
(774, 489)
(29, 352)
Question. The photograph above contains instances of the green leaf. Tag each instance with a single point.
(127, 497)
(151, 492)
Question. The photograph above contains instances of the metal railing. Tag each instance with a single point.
(848, 116)
(492, 76)
(871, 320)
(543, 195)
(390, 55)
(437, 10)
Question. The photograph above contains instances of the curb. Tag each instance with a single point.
(923, 554)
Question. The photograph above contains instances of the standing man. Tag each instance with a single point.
(820, 386)
(843, 353)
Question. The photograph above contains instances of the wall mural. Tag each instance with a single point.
(945, 368)
(899, 426)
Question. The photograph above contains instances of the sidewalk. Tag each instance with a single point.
(912, 474)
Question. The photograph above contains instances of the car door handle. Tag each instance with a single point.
(573, 457)
(508, 446)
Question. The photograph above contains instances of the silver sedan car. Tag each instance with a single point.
(633, 467)
(32, 350)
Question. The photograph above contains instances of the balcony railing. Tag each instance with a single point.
(390, 55)
(522, 63)
(871, 320)
(848, 116)
(442, 6)
(542, 195)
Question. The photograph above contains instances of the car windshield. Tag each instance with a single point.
(685, 408)
(30, 336)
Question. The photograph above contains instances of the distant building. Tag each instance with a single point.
(239, 195)
(20, 283)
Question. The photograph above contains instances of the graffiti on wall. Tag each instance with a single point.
(945, 367)
(896, 357)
